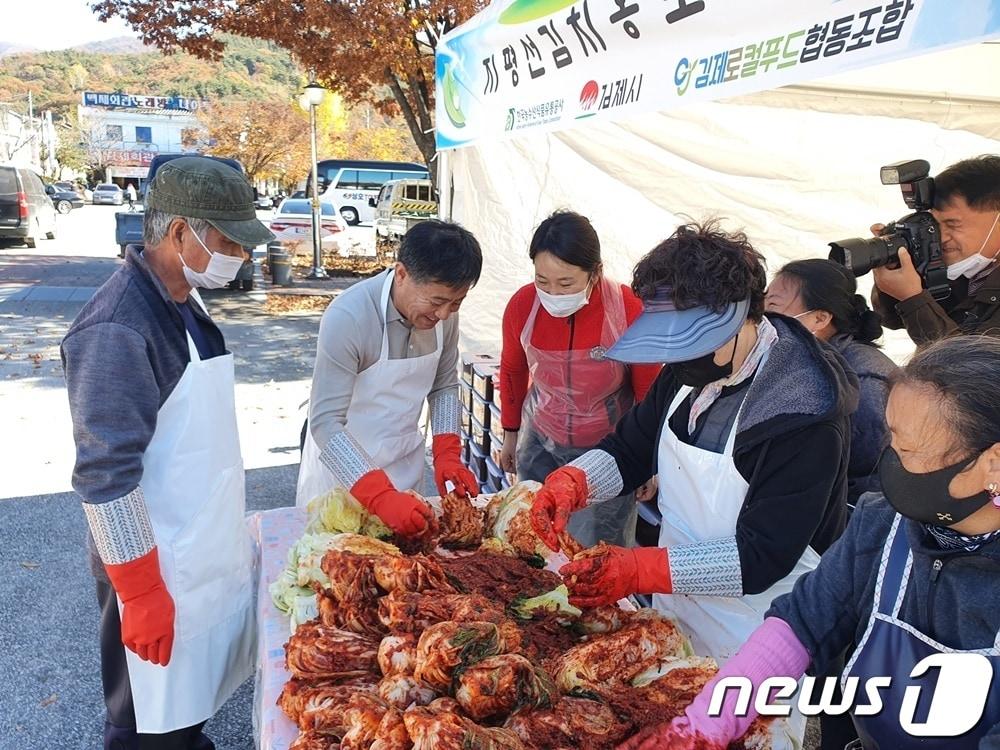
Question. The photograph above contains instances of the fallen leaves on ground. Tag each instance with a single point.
(337, 265)
(278, 304)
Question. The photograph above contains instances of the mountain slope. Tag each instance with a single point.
(250, 69)
(118, 45)
(12, 48)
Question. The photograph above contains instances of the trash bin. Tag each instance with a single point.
(244, 277)
(273, 249)
(281, 269)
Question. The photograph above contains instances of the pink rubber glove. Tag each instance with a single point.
(772, 650)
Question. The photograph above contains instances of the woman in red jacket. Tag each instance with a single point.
(558, 395)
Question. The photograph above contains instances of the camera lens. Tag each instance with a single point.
(860, 256)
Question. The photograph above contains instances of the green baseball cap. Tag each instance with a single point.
(197, 187)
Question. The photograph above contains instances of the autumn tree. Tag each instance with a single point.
(379, 52)
(90, 138)
(71, 152)
(347, 132)
(270, 139)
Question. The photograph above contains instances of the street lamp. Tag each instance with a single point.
(312, 97)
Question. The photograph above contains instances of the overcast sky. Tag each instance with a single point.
(55, 24)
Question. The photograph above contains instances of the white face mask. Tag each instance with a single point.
(974, 264)
(221, 269)
(563, 305)
(796, 317)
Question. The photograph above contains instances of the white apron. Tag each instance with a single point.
(383, 416)
(700, 497)
(193, 483)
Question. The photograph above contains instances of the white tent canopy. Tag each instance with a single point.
(796, 167)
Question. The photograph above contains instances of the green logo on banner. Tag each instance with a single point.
(452, 99)
(522, 11)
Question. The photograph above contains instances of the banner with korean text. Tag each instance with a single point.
(547, 64)
(119, 100)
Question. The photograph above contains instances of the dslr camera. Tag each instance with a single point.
(918, 232)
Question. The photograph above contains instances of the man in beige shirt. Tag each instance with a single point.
(385, 346)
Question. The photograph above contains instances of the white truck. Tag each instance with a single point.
(400, 204)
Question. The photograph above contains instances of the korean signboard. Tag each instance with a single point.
(131, 101)
(545, 64)
(123, 157)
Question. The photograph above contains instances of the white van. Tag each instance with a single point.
(350, 185)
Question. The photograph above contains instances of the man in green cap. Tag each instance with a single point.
(158, 464)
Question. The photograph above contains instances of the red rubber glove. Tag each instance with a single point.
(676, 735)
(604, 574)
(448, 466)
(147, 607)
(564, 491)
(401, 511)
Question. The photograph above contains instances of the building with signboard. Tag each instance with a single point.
(123, 132)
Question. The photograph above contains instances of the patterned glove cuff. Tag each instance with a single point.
(121, 528)
(445, 411)
(604, 481)
(346, 459)
(710, 568)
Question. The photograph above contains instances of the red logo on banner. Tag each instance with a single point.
(588, 96)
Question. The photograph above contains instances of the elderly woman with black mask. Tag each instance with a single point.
(912, 578)
(746, 429)
(822, 296)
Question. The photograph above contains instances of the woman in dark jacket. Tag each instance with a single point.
(822, 296)
(913, 580)
(747, 431)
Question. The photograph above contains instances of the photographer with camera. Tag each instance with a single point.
(936, 270)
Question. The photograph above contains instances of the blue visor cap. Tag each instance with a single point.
(663, 334)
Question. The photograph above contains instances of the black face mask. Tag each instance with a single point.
(925, 497)
(700, 372)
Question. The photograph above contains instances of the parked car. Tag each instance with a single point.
(108, 194)
(26, 213)
(292, 225)
(264, 201)
(63, 199)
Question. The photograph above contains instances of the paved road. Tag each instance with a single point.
(50, 694)
(50, 690)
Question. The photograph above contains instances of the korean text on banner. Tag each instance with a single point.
(550, 63)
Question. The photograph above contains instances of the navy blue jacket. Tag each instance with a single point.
(869, 434)
(122, 356)
(958, 605)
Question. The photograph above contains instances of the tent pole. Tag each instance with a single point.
(444, 185)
